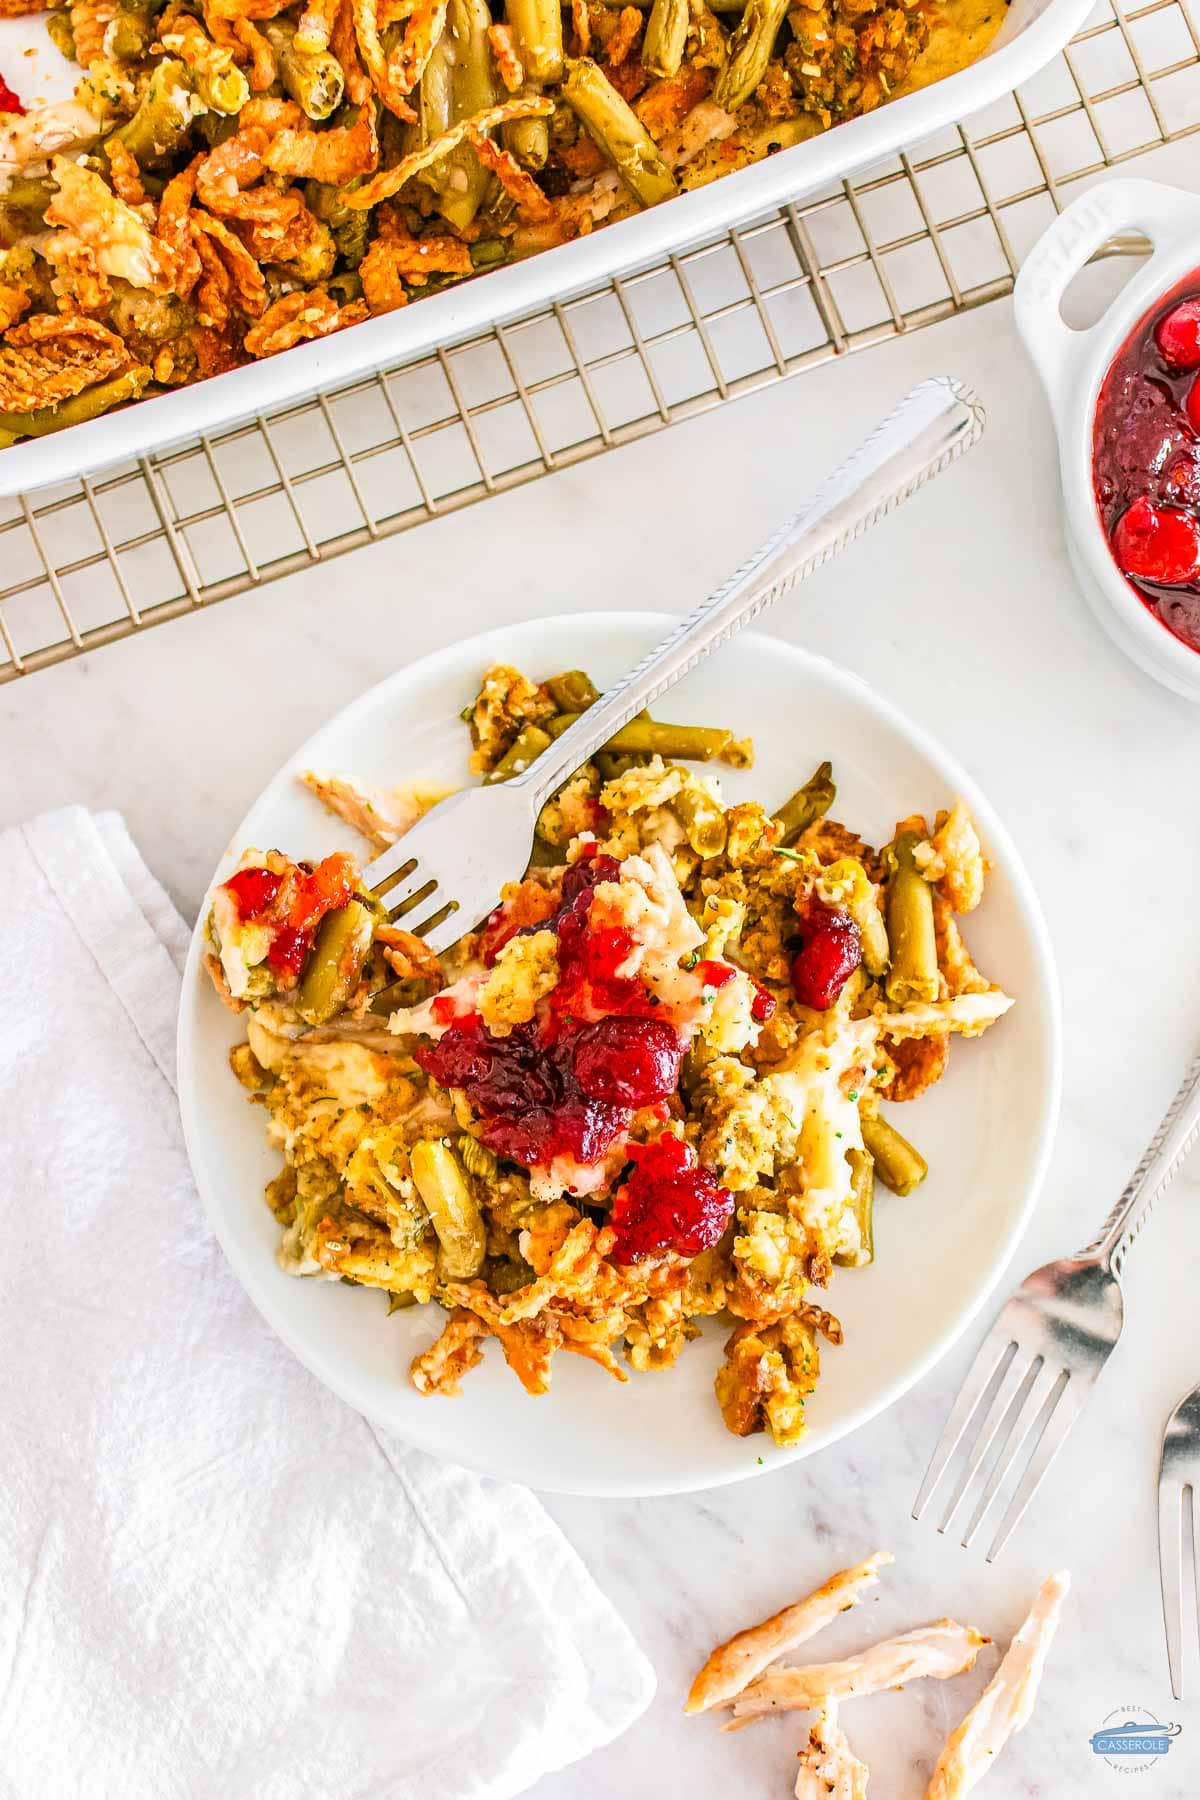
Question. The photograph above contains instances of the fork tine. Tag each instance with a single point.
(409, 892)
(1014, 1376)
(387, 863)
(988, 1358)
(1170, 1575)
(1065, 1406)
(1023, 1413)
(443, 927)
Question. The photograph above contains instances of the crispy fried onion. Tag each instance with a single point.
(533, 208)
(55, 355)
(421, 33)
(315, 26)
(332, 156)
(258, 53)
(243, 279)
(13, 302)
(95, 220)
(297, 317)
(396, 255)
(508, 62)
(365, 14)
(344, 45)
(390, 181)
(90, 20)
(174, 227)
(225, 184)
(126, 175)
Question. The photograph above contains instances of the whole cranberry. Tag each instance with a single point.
(628, 1062)
(1156, 543)
(1191, 405)
(1177, 335)
(830, 951)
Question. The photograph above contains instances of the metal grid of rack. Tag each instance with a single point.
(938, 230)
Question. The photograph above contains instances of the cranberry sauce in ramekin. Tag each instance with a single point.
(1146, 460)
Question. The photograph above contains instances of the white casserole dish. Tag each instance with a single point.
(1033, 33)
(1072, 366)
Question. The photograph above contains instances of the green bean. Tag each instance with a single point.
(452, 1207)
(459, 81)
(573, 691)
(345, 286)
(617, 131)
(509, 1274)
(527, 747)
(666, 36)
(397, 1302)
(807, 804)
(339, 951)
(750, 50)
(61, 34)
(131, 33)
(216, 128)
(897, 1164)
(486, 253)
(313, 78)
(409, 990)
(727, 6)
(8, 439)
(703, 820)
(908, 900)
(846, 883)
(88, 405)
(862, 1205)
(351, 229)
(477, 1159)
(29, 193)
(536, 26)
(166, 113)
(527, 139)
(683, 743)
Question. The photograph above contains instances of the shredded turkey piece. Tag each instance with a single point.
(829, 1769)
(95, 220)
(735, 1663)
(938, 1651)
(1006, 1702)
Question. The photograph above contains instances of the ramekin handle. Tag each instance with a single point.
(1162, 213)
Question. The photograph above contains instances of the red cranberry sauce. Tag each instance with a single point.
(668, 1202)
(830, 951)
(10, 102)
(570, 1083)
(293, 905)
(1146, 460)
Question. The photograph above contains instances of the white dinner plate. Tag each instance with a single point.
(986, 1128)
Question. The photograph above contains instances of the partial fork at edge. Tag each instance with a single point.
(1039, 1361)
(454, 862)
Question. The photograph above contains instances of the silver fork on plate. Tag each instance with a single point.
(1039, 1362)
(452, 865)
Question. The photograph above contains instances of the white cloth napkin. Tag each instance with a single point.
(215, 1578)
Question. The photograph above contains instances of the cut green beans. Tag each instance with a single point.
(617, 131)
(666, 36)
(862, 1205)
(452, 1207)
(313, 78)
(528, 746)
(573, 691)
(339, 951)
(703, 820)
(750, 50)
(897, 1164)
(536, 26)
(908, 902)
(163, 121)
(807, 804)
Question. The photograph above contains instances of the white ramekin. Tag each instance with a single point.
(1072, 365)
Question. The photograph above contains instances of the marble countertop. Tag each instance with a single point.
(962, 609)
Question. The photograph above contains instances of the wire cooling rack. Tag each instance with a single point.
(939, 230)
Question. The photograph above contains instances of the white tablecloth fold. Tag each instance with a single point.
(215, 1578)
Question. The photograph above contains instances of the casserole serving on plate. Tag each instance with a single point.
(209, 206)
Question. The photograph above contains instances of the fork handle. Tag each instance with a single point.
(1164, 1153)
(932, 426)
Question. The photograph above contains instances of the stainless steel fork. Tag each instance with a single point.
(1179, 1485)
(1042, 1356)
(453, 864)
